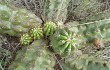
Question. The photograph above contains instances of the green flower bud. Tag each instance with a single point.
(25, 39)
(49, 28)
(36, 33)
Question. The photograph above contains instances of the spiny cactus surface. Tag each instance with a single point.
(36, 33)
(16, 21)
(64, 41)
(85, 62)
(33, 57)
(98, 29)
(49, 28)
(25, 39)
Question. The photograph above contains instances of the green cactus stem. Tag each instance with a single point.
(86, 62)
(16, 21)
(33, 57)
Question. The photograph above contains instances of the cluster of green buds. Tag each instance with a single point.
(38, 32)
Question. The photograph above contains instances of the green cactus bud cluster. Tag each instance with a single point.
(49, 28)
(36, 33)
(64, 41)
(25, 39)
(33, 57)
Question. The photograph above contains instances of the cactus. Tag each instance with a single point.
(49, 28)
(25, 39)
(85, 62)
(33, 57)
(14, 22)
(64, 41)
(56, 8)
(36, 33)
(98, 29)
(87, 32)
